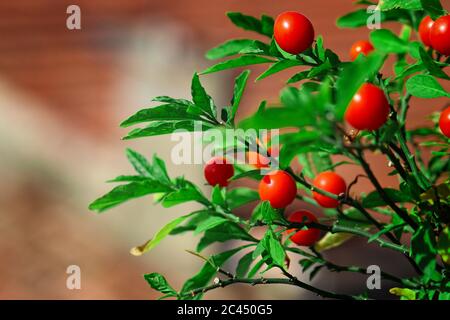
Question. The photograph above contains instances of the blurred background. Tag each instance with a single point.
(62, 95)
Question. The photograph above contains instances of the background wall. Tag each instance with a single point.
(63, 94)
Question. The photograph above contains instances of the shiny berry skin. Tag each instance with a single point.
(363, 46)
(440, 35)
(278, 188)
(369, 108)
(293, 32)
(331, 182)
(218, 171)
(424, 30)
(444, 122)
(306, 237)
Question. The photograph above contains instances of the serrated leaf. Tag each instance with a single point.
(123, 193)
(423, 249)
(232, 47)
(223, 232)
(386, 41)
(205, 275)
(243, 265)
(239, 87)
(279, 66)
(159, 283)
(425, 86)
(385, 5)
(159, 113)
(200, 98)
(241, 61)
(167, 127)
(263, 26)
(431, 65)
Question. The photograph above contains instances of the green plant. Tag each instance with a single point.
(313, 106)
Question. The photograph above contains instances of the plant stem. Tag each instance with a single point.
(294, 282)
(338, 268)
(404, 215)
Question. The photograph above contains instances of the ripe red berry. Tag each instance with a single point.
(369, 108)
(293, 32)
(304, 237)
(363, 46)
(444, 122)
(440, 35)
(218, 171)
(278, 188)
(424, 30)
(331, 182)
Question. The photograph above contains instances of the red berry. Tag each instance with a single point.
(444, 122)
(369, 108)
(424, 30)
(218, 171)
(278, 188)
(331, 182)
(293, 32)
(363, 46)
(304, 237)
(440, 35)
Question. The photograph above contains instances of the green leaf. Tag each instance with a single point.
(404, 293)
(374, 199)
(218, 196)
(126, 192)
(302, 75)
(443, 245)
(236, 46)
(167, 127)
(241, 61)
(139, 163)
(241, 196)
(431, 65)
(239, 87)
(128, 179)
(159, 283)
(255, 268)
(159, 171)
(160, 235)
(263, 26)
(400, 4)
(279, 66)
(210, 222)
(425, 86)
(252, 174)
(274, 248)
(159, 113)
(386, 41)
(200, 98)
(264, 212)
(223, 232)
(353, 76)
(189, 192)
(423, 249)
(433, 8)
(385, 230)
(205, 275)
(243, 265)
(360, 17)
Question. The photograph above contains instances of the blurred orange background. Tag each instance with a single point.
(62, 95)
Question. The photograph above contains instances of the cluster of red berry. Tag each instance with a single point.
(368, 110)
